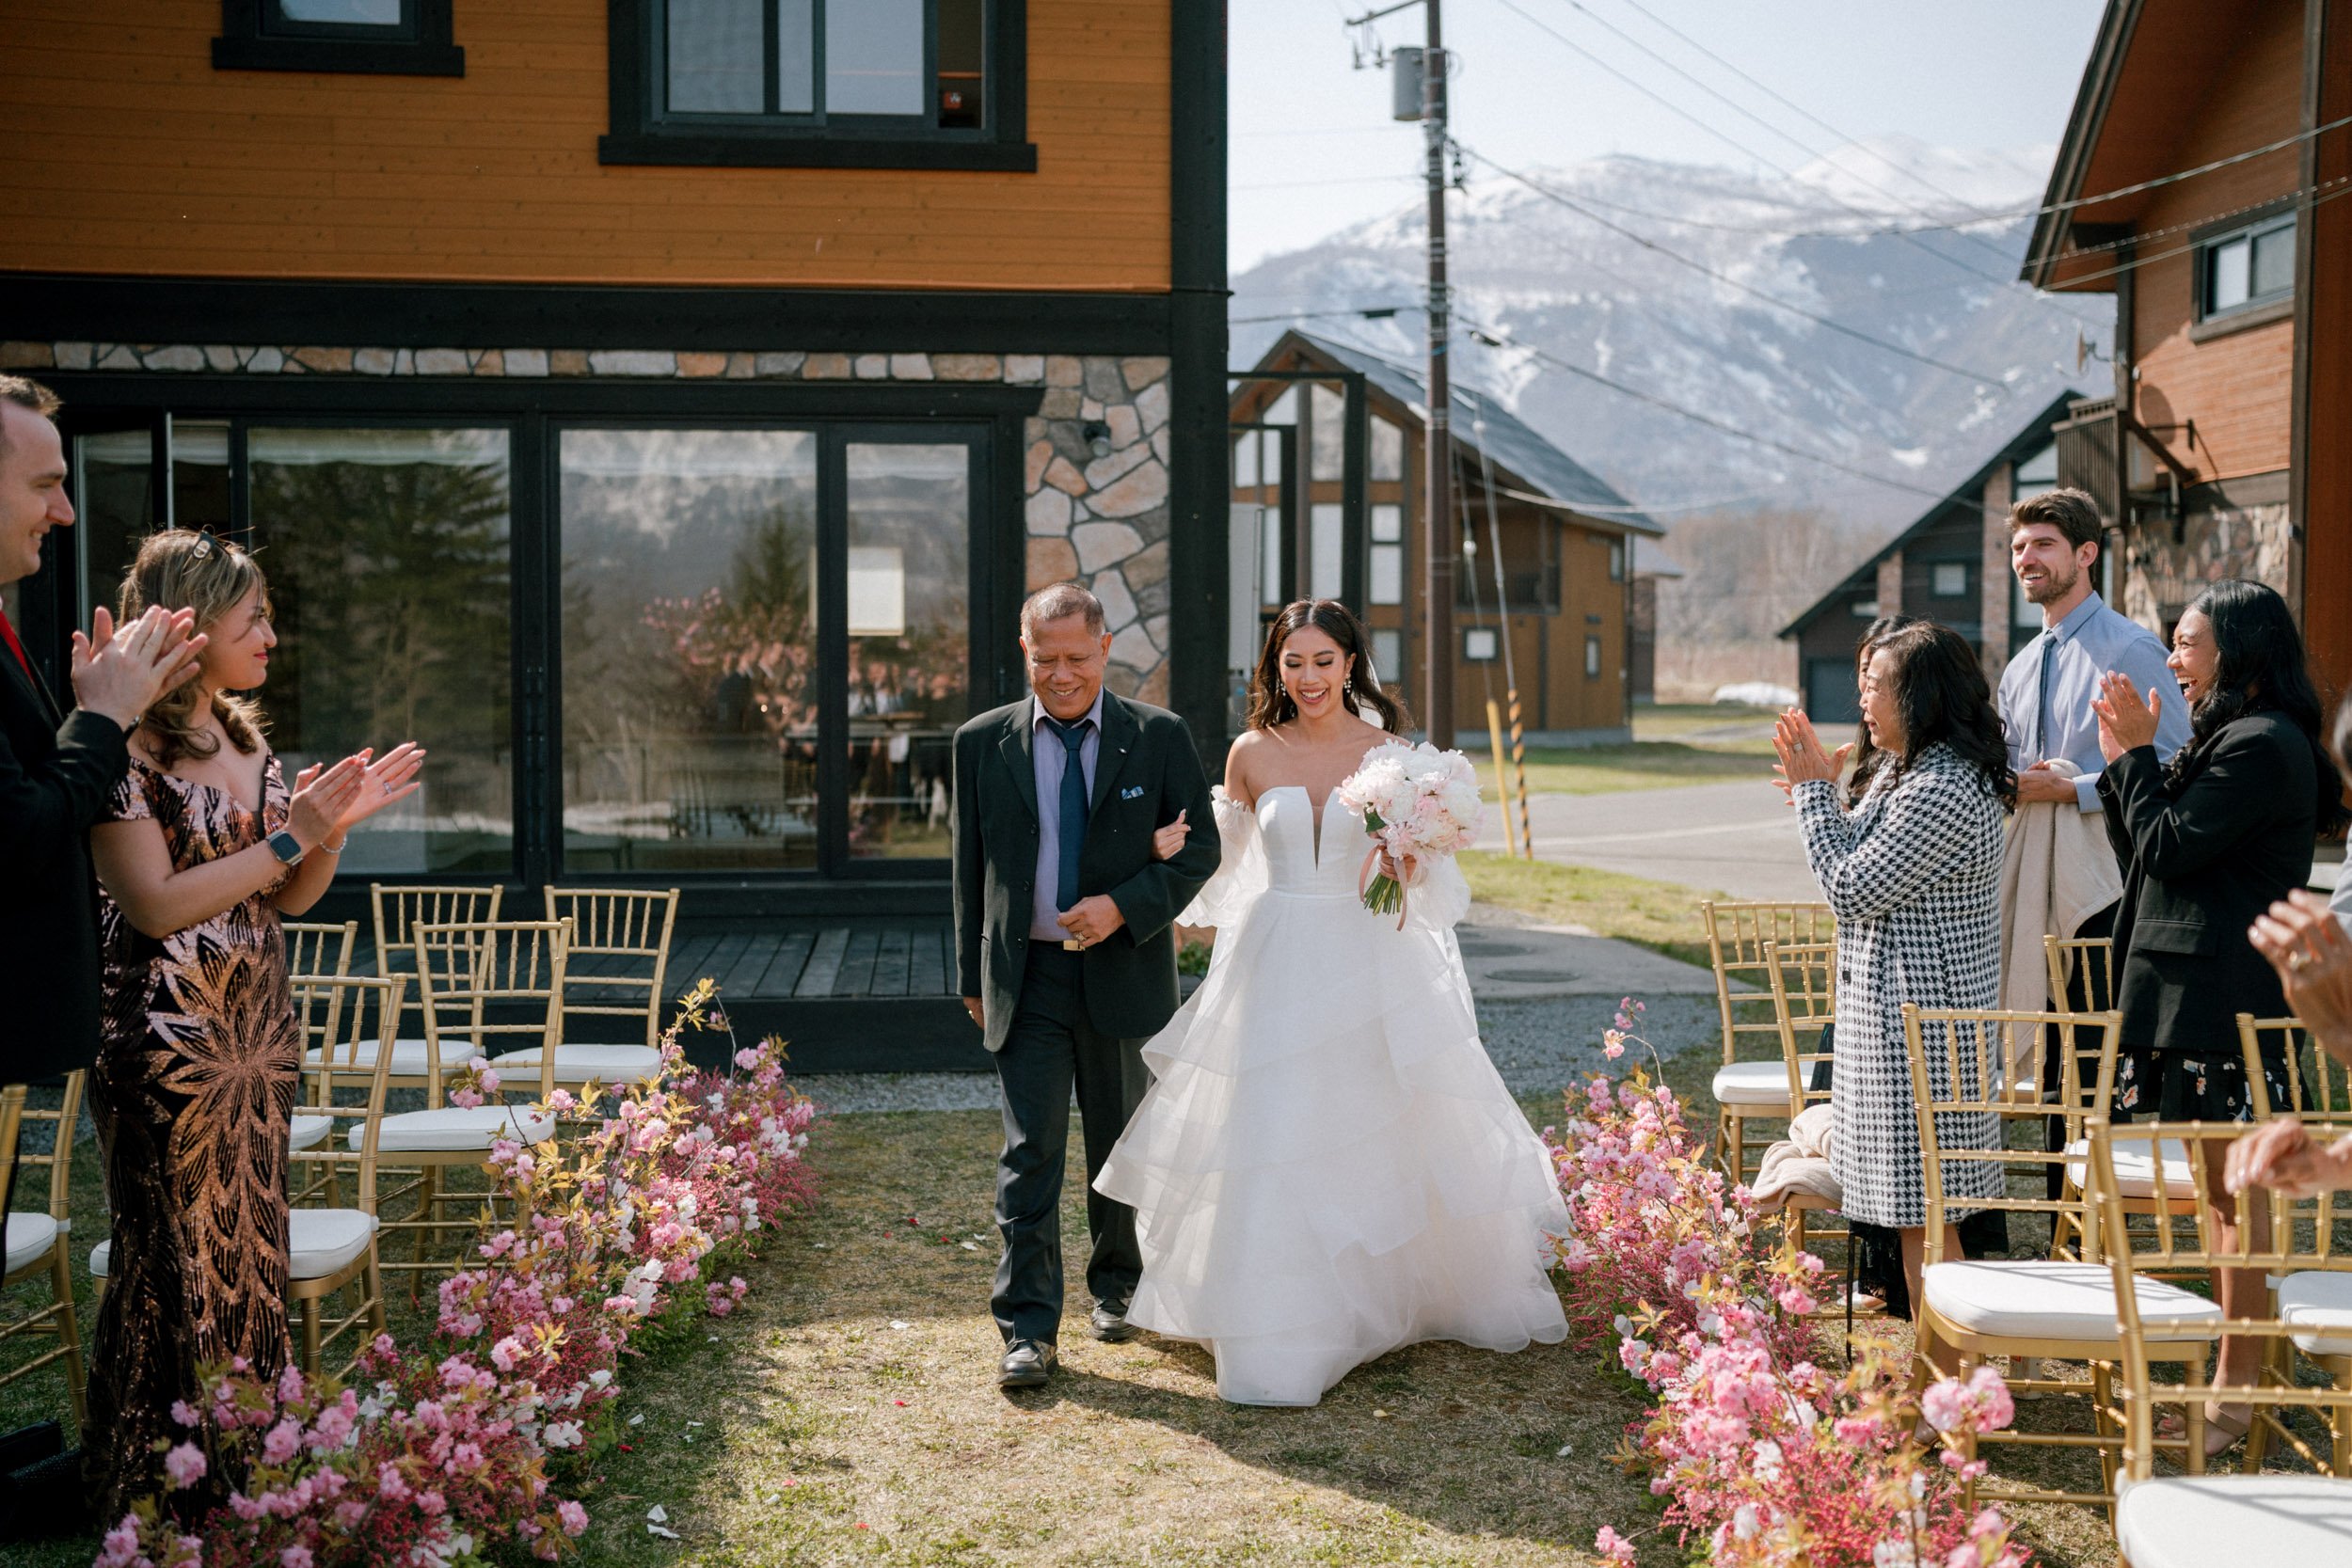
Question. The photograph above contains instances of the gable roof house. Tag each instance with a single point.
(1566, 538)
(2198, 186)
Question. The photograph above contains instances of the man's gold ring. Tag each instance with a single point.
(2299, 961)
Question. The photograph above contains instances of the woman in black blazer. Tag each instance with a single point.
(2207, 844)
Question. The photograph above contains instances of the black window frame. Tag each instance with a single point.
(256, 36)
(2209, 241)
(641, 132)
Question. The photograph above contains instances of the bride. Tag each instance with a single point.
(1327, 1168)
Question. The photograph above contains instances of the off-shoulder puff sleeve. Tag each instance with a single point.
(1241, 873)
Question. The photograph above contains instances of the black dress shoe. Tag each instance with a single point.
(1026, 1365)
(1110, 1324)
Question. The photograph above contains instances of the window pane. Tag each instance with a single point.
(1282, 410)
(714, 53)
(386, 555)
(874, 56)
(1388, 524)
(1950, 578)
(796, 56)
(962, 54)
(1388, 655)
(1479, 644)
(910, 510)
(2231, 265)
(2038, 472)
(200, 474)
(1388, 574)
(2274, 262)
(1325, 545)
(1271, 565)
(1329, 413)
(1387, 449)
(360, 13)
(113, 479)
(690, 636)
(1592, 657)
(1245, 461)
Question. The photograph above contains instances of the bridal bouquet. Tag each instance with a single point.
(1417, 800)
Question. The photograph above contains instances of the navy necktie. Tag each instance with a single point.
(1074, 811)
(2041, 704)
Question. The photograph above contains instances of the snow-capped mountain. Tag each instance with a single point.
(1549, 283)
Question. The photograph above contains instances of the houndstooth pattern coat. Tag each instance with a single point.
(1912, 873)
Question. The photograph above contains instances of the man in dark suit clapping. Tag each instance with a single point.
(1065, 951)
(58, 768)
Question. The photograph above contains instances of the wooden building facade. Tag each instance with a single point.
(1328, 443)
(2195, 184)
(658, 411)
(1950, 564)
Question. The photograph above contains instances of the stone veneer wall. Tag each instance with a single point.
(1100, 520)
(2161, 577)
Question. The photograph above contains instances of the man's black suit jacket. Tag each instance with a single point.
(2201, 859)
(1146, 771)
(57, 771)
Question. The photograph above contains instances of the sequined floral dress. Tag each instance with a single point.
(197, 1075)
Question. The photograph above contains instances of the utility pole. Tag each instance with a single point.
(1441, 539)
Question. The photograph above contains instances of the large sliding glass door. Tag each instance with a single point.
(765, 643)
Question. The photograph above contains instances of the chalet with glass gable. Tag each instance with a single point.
(1327, 441)
(2201, 184)
(659, 408)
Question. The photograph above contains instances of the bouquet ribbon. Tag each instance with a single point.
(1363, 881)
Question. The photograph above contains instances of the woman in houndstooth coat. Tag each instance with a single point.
(1912, 873)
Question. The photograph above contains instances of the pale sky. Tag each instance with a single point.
(1313, 149)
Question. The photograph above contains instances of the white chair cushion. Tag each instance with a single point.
(28, 1237)
(2197, 1521)
(578, 1064)
(2039, 1300)
(458, 1128)
(2134, 1174)
(324, 1242)
(1745, 1084)
(410, 1058)
(308, 1131)
(2320, 1297)
(320, 1241)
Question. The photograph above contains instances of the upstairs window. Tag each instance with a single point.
(869, 83)
(381, 38)
(2246, 268)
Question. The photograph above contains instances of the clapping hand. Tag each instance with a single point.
(1802, 758)
(321, 796)
(2125, 722)
(1168, 841)
(2307, 945)
(120, 670)
(393, 776)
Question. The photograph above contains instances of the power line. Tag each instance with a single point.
(1728, 282)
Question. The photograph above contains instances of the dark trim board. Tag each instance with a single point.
(49, 306)
(930, 1034)
(1197, 345)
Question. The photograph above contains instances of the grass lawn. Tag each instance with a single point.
(1661, 916)
(1671, 746)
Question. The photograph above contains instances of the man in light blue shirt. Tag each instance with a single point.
(2046, 691)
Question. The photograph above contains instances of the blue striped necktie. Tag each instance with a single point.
(1074, 811)
(2042, 702)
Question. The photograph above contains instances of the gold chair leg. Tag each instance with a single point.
(310, 1334)
(69, 1331)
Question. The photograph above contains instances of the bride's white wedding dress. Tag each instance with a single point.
(1328, 1167)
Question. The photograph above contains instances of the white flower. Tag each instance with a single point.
(1743, 1522)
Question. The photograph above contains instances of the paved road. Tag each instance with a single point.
(1735, 837)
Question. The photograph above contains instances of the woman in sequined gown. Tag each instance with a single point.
(201, 1057)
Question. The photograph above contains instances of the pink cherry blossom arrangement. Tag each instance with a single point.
(448, 1450)
(1762, 1456)
(1415, 801)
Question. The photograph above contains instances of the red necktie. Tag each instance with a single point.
(7, 635)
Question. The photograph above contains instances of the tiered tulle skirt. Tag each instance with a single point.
(1328, 1166)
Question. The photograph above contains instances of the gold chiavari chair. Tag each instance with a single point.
(333, 1247)
(2320, 1086)
(2097, 954)
(486, 983)
(2176, 1521)
(1966, 1095)
(619, 956)
(1805, 1006)
(317, 947)
(1752, 1085)
(397, 912)
(38, 1244)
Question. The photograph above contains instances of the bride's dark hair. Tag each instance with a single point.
(1270, 704)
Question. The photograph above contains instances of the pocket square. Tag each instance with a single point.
(1134, 792)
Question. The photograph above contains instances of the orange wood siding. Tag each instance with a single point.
(129, 153)
(2238, 386)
